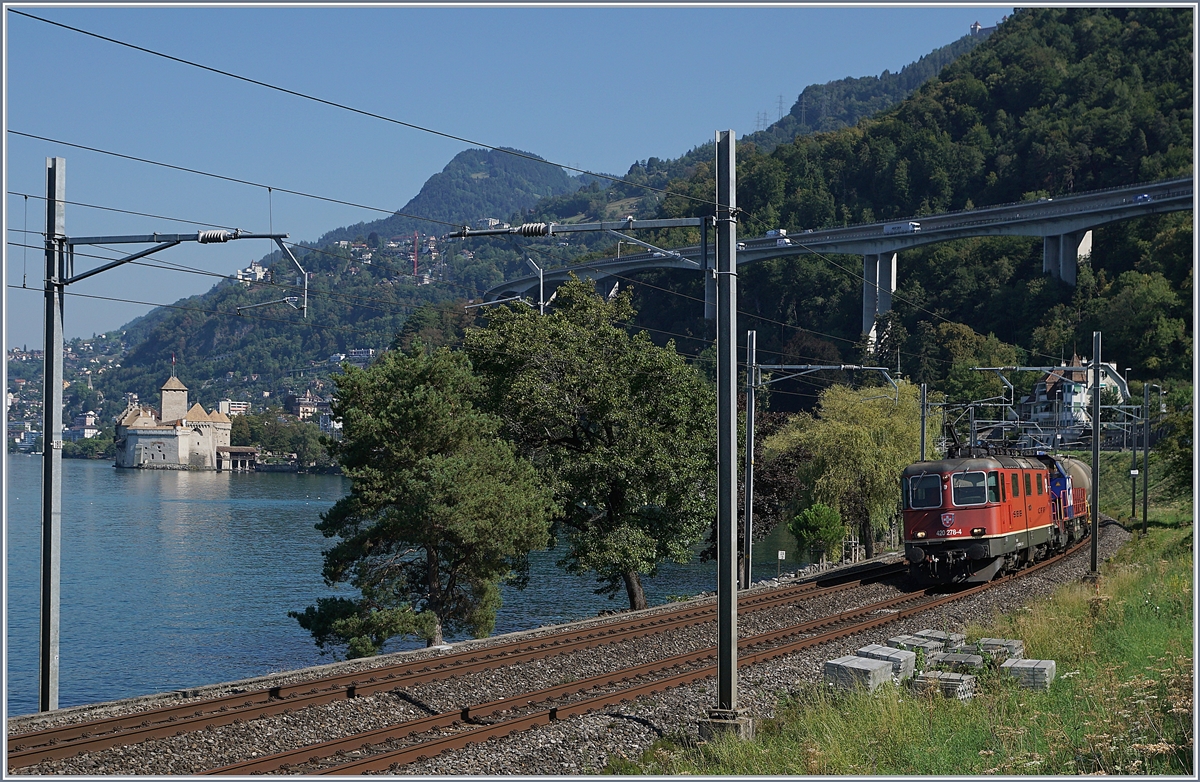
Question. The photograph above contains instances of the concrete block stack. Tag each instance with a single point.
(1001, 649)
(950, 641)
(1032, 674)
(952, 685)
(914, 642)
(851, 672)
(903, 661)
(955, 661)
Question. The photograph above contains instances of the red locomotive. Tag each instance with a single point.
(984, 512)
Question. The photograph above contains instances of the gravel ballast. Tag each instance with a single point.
(579, 745)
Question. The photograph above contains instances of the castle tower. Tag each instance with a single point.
(174, 400)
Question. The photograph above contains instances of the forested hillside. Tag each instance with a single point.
(363, 305)
(1054, 101)
(819, 107)
(842, 103)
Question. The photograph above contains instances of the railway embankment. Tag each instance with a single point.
(607, 737)
(1120, 704)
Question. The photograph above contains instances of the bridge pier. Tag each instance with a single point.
(879, 283)
(1061, 254)
(607, 287)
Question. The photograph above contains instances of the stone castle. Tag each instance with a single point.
(178, 438)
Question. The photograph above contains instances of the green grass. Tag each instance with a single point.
(1116, 491)
(1121, 702)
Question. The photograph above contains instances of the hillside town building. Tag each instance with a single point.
(175, 437)
(231, 408)
(1059, 408)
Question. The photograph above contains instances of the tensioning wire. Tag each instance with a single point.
(345, 107)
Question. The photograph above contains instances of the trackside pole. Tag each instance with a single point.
(726, 716)
(1145, 455)
(1095, 447)
(748, 500)
(56, 273)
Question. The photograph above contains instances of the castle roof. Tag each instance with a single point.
(196, 413)
(138, 417)
(173, 384)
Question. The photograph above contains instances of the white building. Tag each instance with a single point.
(1061, 401)
(232, 408)
(255, 272)
(361, 356)
(177, 438)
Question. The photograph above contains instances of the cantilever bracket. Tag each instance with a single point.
(652, 248)
(289, 300)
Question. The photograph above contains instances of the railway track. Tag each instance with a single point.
(66, 741)
(376, 751)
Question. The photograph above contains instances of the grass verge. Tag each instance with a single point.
(1121, 702)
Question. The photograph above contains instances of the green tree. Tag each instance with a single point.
(1110, 400)
(620, 427)
(441, 511)
(858, 443)
(818, 527)
(1144, 323)
(306, 442)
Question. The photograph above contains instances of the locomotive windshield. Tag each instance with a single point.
(970, 488)
(925, 491)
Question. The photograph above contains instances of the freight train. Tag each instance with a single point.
(984, 512)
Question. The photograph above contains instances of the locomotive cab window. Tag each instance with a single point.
(1016, 489)
(1028, 485)
(1039, 484)
(969, 488)
(993, 487)
(925, 491)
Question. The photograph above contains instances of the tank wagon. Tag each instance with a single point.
(981, 513)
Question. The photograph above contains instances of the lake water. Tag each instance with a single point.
(181, 579)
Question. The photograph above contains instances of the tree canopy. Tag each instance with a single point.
(858, 442)
(818, 527)
(440, 511)
(621, 428)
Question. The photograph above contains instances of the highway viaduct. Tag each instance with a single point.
(1064, 223)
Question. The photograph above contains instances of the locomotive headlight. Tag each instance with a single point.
(919, 535)
(978, 532)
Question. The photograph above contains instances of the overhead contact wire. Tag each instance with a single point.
(346, 107)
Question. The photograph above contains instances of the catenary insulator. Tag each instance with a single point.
(208, 237)
(534, 229)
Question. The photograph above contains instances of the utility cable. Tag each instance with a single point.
(214, 312)
(25, 230)
(913, 304)
(518, 250)
(402, 214)
(235, 180)
(763, 318)
(341, 328)
(171, 266)
(352, 109)
(27, 196)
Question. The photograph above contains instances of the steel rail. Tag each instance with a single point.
(66, 741)
(388, 760)
(283, 760)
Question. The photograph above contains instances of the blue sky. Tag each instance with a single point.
(595, 88)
